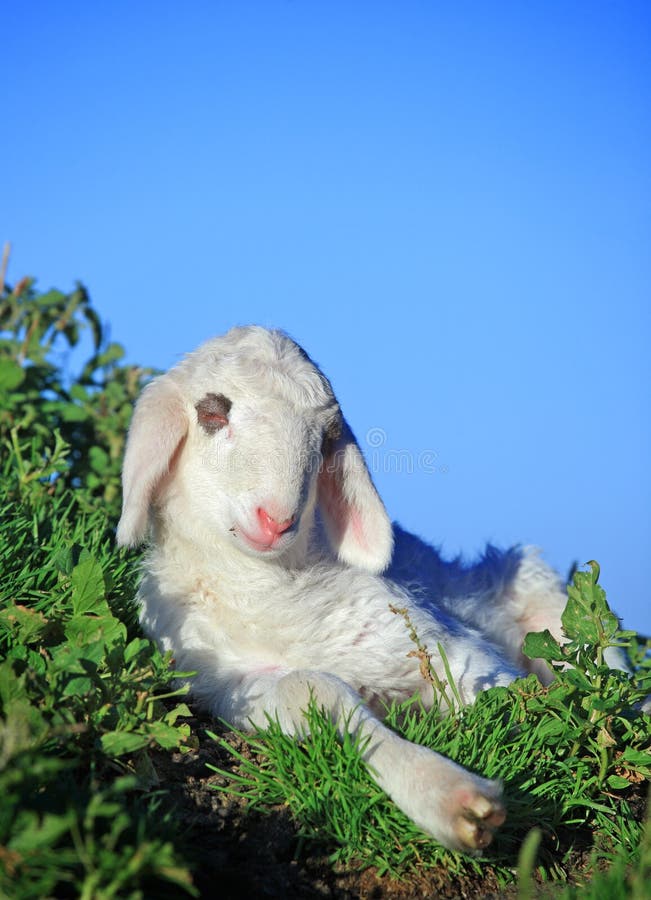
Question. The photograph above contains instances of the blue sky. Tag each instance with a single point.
(447, 203)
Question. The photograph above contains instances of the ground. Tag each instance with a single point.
(249, 854)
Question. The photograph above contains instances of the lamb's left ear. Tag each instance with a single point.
(354, 516)
(158, 428)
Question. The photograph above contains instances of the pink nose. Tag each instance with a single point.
(272, 527)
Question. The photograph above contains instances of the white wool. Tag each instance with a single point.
(266, 539)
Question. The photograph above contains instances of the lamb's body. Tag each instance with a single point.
(254, 625)
(267, 534)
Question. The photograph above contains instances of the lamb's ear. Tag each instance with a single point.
(158, 427)
(354, 516)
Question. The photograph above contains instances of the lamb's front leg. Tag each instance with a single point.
(459, 809)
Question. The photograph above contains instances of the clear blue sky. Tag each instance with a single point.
(447, 203)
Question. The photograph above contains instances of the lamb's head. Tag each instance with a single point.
(238, 445)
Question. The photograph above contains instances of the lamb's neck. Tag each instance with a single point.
(183, 561)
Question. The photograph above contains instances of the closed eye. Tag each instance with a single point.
(332, 434)
(212, 412)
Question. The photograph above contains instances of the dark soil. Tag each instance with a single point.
(242, 853)
(239, 853)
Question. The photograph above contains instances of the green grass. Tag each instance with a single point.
(85, 698)
(81, 690)
(570, 757)
(80, 694)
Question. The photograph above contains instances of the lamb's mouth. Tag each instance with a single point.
(265, 546)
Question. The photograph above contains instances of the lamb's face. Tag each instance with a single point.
(234, 448)
(260, 414)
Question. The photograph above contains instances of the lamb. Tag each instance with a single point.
(273, 569)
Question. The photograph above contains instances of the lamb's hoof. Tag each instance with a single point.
(478, 819)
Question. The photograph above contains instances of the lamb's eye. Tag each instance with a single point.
(331, 436)
(212, 412)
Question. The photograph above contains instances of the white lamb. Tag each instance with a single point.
(267, 540)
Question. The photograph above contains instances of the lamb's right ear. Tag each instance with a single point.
(353, 514)
(158, 427)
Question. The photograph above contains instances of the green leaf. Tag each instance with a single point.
(617, 783)
(51, 298)
(79, 392)
(578, 679)
(542, 645)
(102, 629)
(135, 647)
(95, 323)
(637, 757)
(119, 743)
(42, 832)
(70, 412)
(11, 375)
(62, 560)
(79, 686)
(166, 736)
(27, 623)
(113, 353)
(587, 618)
(181, 710)
(99, 460)
(82, 656)
(88, 586)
